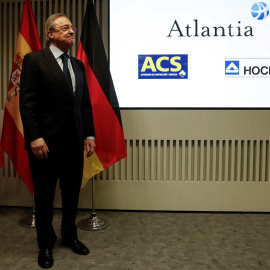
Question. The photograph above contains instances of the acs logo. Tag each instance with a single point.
(163, 66)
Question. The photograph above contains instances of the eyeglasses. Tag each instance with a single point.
(67, 27)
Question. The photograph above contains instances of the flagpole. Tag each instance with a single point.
(29, 222)
(93, 223)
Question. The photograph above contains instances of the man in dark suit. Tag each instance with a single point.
(58, 124)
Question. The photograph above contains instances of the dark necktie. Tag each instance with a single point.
(65, 57)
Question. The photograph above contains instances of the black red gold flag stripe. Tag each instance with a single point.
(110, 141)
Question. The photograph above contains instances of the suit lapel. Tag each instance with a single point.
(56, 71)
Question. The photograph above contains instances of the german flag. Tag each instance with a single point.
(12, 134)
(110, 141)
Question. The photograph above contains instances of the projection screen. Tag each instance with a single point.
(190, 53)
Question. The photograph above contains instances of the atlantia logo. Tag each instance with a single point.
(260, 10)
(195, 29)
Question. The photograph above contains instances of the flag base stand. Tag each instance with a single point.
(93, 223)
(29, 222)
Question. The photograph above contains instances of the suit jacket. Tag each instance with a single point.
(48, 107)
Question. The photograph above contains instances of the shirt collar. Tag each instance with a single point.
(56, 51)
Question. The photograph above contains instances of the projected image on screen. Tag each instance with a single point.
(190, 53)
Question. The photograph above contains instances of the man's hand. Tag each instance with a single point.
(39, 148)
(90, 146)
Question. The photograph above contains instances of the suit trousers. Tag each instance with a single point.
(67, 166)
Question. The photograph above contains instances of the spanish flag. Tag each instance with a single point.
(12, 133)
(110, 141)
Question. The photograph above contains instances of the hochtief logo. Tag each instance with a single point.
(260, 10)
(249, 67)
(231, 67)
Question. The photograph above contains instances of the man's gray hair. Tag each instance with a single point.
(49, 24)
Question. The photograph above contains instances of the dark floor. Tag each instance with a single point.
(147, 240)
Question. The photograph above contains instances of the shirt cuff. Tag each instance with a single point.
(90, 138)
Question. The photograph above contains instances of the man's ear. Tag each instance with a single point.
(50, 34)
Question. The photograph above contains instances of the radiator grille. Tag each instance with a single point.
(186, 160)
(192, 160)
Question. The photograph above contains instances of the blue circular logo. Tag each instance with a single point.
(260, 10)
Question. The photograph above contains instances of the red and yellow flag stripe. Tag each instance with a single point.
(12, 134)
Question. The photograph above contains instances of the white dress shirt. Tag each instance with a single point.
(57, 54)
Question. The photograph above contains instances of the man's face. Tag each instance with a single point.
(63, 36)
